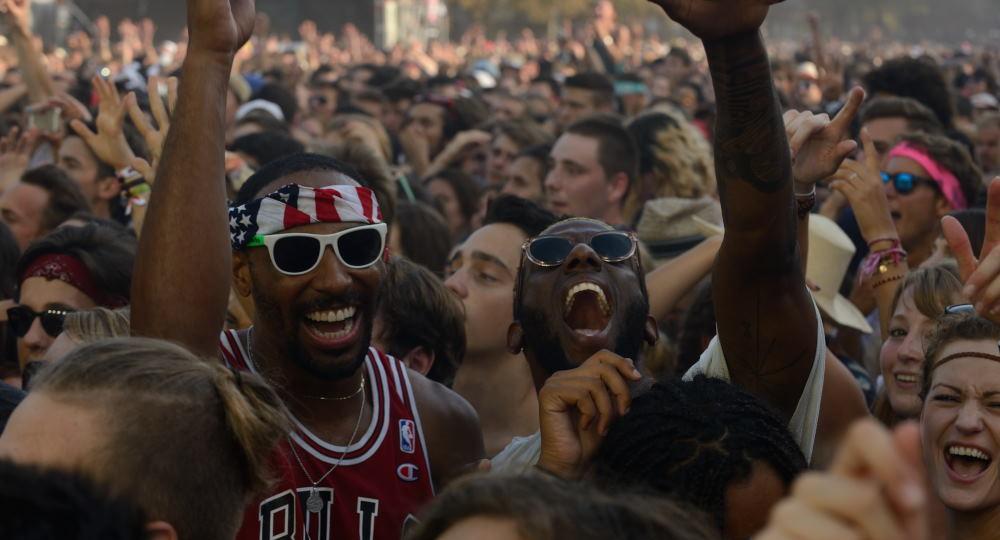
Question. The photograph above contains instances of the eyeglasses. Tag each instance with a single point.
(611, 247)
(959, 308)
(904, 183)
(20, 319)
(294, 254)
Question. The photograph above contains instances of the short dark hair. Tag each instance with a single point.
(600, 85)
(48, 504)
(107, 252)
(526, 215)
(693, 439)
(544, 507)
(915, 78)
(402, 89)
(416, 310)
(616, 149)
(918, 116)
(289, 165)
(424, 235)
(267, 146)
(680, 54)
(65, 197)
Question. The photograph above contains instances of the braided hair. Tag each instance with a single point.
(691, 440)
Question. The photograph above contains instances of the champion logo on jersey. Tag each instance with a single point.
(408, 472)
(407, 436)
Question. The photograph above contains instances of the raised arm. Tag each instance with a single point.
(766, 320)
(29, 57)
(181, 284)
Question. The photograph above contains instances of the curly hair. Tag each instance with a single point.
(955, 158)
(693, 439)
(915, 78)
(674, 155)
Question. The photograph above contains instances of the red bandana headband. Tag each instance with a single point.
(72, 271)
(295, 205)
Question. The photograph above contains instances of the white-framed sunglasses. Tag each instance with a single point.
(294, 254)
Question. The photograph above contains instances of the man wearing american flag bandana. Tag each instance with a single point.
(305, 239)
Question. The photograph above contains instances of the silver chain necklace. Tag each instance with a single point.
(314, 503)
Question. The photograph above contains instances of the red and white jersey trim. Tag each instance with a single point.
(378, 390)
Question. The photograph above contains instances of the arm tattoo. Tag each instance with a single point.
(750, 135)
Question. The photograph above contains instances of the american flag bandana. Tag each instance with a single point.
(295, 205)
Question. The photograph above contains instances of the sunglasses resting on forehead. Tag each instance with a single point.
(295, 254)
(610, 246)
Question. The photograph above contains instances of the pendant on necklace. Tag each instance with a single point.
(314, 503)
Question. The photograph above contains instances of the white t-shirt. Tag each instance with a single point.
(522, 453)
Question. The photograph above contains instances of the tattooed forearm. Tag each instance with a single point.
(750, 136)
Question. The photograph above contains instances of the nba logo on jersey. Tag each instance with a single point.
(407, 436)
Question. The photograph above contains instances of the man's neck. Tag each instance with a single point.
(501, 390)
(331, 417)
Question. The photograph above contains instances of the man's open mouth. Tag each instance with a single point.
(333, 324)
(967, 463)
(586, 309)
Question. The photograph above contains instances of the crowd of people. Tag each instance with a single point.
(607, 285)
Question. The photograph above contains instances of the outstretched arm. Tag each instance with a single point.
(181, 284)
(766, 320)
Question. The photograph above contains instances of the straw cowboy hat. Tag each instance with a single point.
(666, 226)
(830, 253)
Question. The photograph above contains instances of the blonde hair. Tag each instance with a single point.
(674, 155)
(96, 324)
(187, 439)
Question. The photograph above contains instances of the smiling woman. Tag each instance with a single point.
(960, 421)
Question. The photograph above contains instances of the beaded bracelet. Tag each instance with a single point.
(879, 261)
(889, 279)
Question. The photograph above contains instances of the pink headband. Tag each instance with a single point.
(72, 271)
(295, 205)
(946, 180)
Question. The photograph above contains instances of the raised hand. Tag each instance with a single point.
(863, 187)
(154, 136)
(874, 490)
(715, 19)
(108, 144)
(576, 408)
(17, 13)
(219, 26)
(981, 275)
(819, 145)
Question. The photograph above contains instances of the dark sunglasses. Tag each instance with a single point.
(904, 183)
(20, 319)
(611, 247)
(295, 254)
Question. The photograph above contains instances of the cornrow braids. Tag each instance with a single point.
(691, 440)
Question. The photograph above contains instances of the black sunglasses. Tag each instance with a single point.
(611, 246)
(904, 183)
(20, 319)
